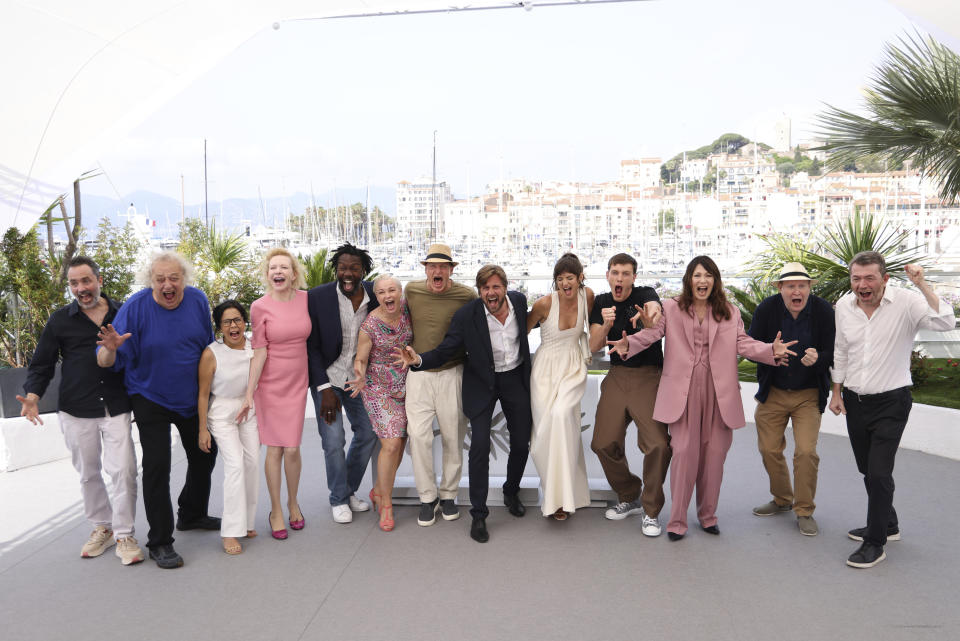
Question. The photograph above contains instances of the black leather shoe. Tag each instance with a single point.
(866, 556)
(166, 557)
(713, 529)
(203, 523)
(513, 505)
(478, 531)
(673, 536)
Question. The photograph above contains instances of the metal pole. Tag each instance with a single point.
(433, 190)
(206, 215)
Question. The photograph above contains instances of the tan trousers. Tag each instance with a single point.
(629, 393)
(802, 409)
(436, 395)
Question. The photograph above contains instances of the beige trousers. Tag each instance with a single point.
(436, 395)
(802, 409)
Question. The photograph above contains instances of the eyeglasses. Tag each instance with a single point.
(239, 322)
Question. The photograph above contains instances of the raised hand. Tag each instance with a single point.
(621, 347)
(914, 273)
(109, 338)
(30, 408)
(609, 315)
(809, 357)
(654, 312)
(405, 357)
(781, 350)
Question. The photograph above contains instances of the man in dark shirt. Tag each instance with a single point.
(796, 392)
(93, 407)
(628, 393)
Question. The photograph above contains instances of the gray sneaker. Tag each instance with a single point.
(428, 513)
(807, 525)
(650, 525)
(770, 508)
(624, 509)
(449, 510)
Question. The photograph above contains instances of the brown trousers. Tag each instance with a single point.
(801, 407)
(628, 393)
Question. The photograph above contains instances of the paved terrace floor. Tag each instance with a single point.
(587, 578)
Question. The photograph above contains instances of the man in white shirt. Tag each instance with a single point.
(876, 326)
(493, 331)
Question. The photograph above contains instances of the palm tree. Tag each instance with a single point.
(913, 113)
(753, 292)
(317, 270)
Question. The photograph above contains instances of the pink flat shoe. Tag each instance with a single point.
(280, 534)
(299, 524)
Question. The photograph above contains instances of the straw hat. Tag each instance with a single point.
(439, 253)
(794, 271)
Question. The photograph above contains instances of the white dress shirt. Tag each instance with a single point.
(504, 339)
(872, 355)
(341, 370)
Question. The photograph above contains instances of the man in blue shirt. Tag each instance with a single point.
(797, 391)
(157, 339)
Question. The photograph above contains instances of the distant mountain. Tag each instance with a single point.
(235, 211)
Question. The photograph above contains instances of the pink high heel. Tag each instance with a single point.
(386, 524)
(374, 499)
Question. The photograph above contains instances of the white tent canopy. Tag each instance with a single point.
(81, 74)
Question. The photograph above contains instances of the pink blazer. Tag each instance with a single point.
(726, 338)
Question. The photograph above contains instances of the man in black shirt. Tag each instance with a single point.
(628, 393)
(796, 393)
(93, 407)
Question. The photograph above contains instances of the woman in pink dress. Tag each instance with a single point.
(699, 393)
(384, 385)
(277, 387)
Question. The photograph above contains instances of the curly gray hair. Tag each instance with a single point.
(145, 275)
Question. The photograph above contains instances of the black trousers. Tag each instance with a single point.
(875, 423)
(514, 396)
(154, 421)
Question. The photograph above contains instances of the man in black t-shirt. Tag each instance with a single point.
(628, 393)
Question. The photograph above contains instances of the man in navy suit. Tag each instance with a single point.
(493, 331)
(336, 312)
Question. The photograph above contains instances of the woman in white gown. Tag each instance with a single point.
(557, 383)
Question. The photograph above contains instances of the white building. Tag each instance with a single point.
(642, 172)
(420, 209)
(781, 135)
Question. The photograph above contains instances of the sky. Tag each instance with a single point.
(554, 93)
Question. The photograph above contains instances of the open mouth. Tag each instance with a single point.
(702, 290)
(347, 284)
(797, 301)
(436, 283)
(617, 291)
(279, 280)
(567, 290)
(493, 302)
(169, 296)
(234, 334)
(865, 294)
(390, 304)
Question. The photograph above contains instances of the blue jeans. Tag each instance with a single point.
(345, 472)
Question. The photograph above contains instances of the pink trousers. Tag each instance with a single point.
(700, 441)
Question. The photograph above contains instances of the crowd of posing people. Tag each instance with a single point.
(396, 359)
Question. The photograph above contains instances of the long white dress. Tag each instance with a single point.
(557, 383)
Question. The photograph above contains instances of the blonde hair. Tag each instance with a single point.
(299, 282)
(145, 275)
(383, 277)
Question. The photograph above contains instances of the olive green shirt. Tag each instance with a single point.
(431, 313)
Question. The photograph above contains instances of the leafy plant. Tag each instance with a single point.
(117, 253)
(317, 269)
(750, 296)
(225, 267)
(911, 114)
(919, 371)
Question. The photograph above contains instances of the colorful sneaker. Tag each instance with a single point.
(100, 539)
(128, 551)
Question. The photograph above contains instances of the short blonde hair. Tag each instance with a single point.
(383, 277)
(145, 276)
(299, 281)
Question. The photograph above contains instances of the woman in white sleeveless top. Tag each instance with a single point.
(557, 383)
(224, 370)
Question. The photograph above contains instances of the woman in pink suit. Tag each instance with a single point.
(699, 392)
(277, 386)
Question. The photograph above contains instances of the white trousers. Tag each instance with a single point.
(436, 395)
(239, 447)
(86, 438)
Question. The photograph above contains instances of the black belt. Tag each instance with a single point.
(876, 397)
